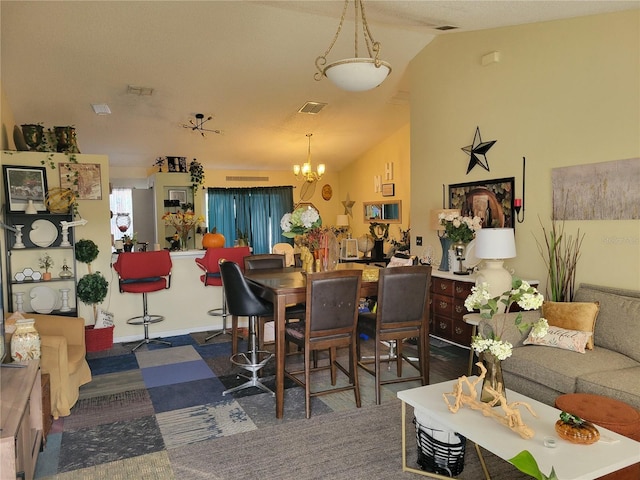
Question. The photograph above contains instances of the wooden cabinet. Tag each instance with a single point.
(21, 434)
(448, 293)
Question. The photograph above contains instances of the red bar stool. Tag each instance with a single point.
(144, 272)
(211, 277)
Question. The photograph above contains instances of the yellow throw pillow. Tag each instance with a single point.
(572, 316)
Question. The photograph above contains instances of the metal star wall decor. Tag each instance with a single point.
(348, 206)
(477, 152)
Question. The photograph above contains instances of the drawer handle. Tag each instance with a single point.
(443, 286)
(459, 331)
(459, 309)
(459, 289)
(443, 304)
(443, 326)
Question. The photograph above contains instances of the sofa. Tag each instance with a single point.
(611, 368)
(63, 357)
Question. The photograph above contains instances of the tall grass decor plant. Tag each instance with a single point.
(560, 252)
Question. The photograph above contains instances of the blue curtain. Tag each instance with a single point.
(255, 211)
(221, 208)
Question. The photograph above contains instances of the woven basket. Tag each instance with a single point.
(98, 339)
(440, 451)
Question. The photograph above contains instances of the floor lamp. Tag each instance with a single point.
(494, 245)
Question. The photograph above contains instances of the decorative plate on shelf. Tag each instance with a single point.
(43, 233)
(44, 299)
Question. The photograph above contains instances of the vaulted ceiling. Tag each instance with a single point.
(248, 64)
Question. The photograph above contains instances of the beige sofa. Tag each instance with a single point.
(63, 357)
(611, 369)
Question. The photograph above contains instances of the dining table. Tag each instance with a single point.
(286, 286)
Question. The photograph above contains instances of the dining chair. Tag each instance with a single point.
(330, 322)
(287, 250)
(209, 264)
(266, 261)
(243, 301)
(402, 312)
(144, 272)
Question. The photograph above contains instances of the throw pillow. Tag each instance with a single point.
(572, 316)
(572, 340)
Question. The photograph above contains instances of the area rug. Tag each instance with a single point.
(356, 444)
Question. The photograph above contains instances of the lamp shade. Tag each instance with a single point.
(342, 220)
(357, 74)
(435, 217)
(495, 243)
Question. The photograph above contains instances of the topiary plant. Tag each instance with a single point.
(92, 290)
(86, 252)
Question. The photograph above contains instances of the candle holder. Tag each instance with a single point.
(65, 300)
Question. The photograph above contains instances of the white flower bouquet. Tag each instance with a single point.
(299, 222)
(526, 296)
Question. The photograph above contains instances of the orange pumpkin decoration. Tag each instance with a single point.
(213, 240)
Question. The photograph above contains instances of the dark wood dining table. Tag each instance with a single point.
(288, 286)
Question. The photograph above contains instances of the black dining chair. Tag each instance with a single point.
(402, 312)
(266, 261)
(242, 301)
(330, 323)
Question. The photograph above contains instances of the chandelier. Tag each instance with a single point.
(306, 172)
(359, 73)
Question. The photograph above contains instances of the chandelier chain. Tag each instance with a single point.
(322, 59)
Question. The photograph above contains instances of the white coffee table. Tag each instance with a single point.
(570, 461)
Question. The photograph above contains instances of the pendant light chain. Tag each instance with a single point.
(322, 59)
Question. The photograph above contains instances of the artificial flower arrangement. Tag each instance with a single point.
(526, 296)
(299, 222)
(183, 222)
(458, 228)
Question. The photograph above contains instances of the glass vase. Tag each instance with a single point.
(493, 378)
(184, 240)
(25, 342)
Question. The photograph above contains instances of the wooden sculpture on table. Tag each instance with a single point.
(511, 418)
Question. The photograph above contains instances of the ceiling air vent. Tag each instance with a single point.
(444, 28)
(312, 108)
(241, 178)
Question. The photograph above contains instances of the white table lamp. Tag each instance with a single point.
(494, 245)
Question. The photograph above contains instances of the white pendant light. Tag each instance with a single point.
(356, 74)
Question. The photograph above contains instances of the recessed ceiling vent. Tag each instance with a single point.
(444, 28)
(312, 108)
(138, 90)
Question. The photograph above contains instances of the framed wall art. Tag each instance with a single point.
(22, 184)
(388, 189)
(83, 178)
(491, 200)
(179, 195)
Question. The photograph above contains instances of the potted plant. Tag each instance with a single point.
(92, 290)
(129, 241)
(46, 262)
(196, 172)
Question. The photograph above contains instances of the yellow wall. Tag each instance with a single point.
(356, 180)
(564, 93)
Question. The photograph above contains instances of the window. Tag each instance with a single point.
(120, 201)
(254, 212)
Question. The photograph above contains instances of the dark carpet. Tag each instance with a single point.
(160, 413)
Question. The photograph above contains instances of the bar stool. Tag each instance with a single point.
(144, 272)
(211, 277)
(242, 301)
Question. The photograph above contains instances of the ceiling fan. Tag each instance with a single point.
(198, 124)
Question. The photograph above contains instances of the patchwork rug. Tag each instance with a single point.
(160, 413)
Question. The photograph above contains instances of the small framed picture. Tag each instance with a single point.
(178, 195)
(388, 189)
(22, 184)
